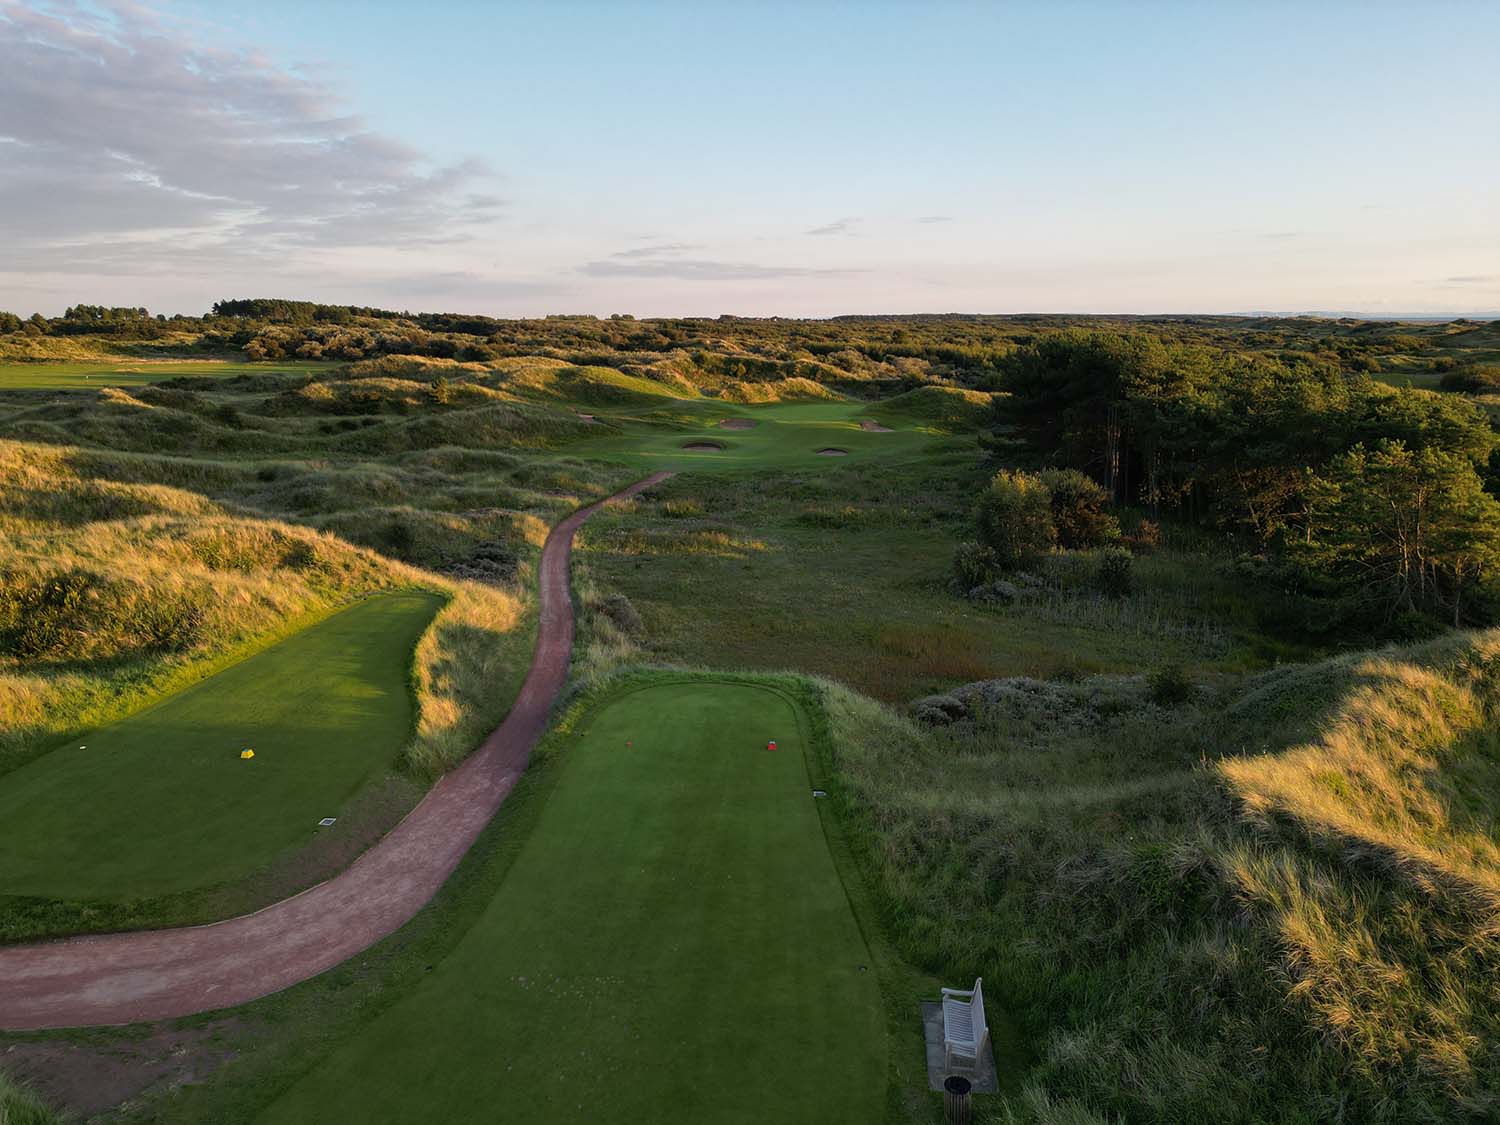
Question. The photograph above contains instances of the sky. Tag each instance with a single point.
(756, 158)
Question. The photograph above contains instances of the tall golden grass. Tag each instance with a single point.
(1278, 902)
(113, 593)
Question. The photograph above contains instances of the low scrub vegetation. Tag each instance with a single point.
(1266, 902)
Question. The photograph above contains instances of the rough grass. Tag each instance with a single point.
(795, 389)
(125, 577)
(19, 1106)
(952, 409)
(1276, 905)
(589, 386)
(845, 572)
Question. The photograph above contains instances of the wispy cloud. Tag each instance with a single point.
(697, 269)
(935, 219)
(127, 136)
(664, 248)
(838, 226)
(1474, 279)
(465, 283)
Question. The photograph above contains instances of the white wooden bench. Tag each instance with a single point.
(965, 1034)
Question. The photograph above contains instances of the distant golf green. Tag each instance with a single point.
(780, 434)
(162, 801)
(82, 374)
(672, 944)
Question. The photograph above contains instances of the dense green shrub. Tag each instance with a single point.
(1474, 379)
(1169, 686)
(1078, 510)
(1014, 519)
(1116, 573)
(974, 564)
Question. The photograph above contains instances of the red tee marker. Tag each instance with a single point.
(771, 745)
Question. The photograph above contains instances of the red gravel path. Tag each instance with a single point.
(162, 974)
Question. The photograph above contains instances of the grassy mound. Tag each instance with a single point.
(1373, 857)
(951, 409)
(592, 386)
(1273, 907)
(796, 389)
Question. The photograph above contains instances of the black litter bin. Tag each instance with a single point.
(957, 1108)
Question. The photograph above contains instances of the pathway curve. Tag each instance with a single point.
(162, 974)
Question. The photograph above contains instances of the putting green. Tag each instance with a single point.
(83, 374)
(783, 434)
(162, 801)
(672, 943)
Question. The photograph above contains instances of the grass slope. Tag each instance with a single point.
(672, 943)
(83, 374)
(1274, 902)
(783, 434)
(161, 801)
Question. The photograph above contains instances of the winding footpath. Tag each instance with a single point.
(163, 974)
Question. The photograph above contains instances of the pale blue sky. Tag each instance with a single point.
(810, 159)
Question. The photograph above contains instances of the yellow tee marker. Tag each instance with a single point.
(247, 753)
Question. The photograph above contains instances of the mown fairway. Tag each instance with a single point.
(83, 374)
(672, 944)
(162, 801)
(782, 435)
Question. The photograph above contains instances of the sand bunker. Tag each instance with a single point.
(703, 447)
(874, 427)
(737, 424)
(831, 452)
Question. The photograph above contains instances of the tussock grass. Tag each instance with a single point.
(1274, 902)
(795, 389)
(469, 666)
(20, 1106)
(707, 540)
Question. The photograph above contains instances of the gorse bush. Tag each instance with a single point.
(1115, 575)
(1169, 685)
(1014, 519)
(1474, 379)
(1078, 510)
(974, 564)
